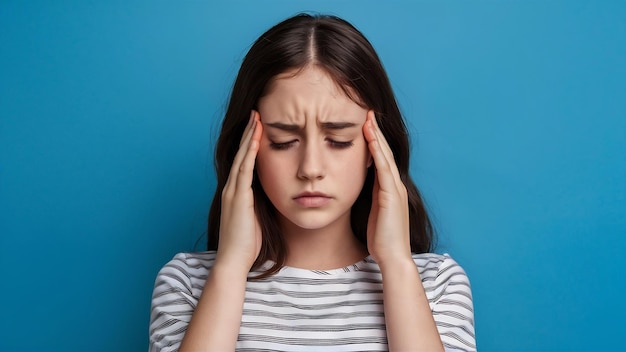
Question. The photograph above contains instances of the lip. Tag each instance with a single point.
(312, 199)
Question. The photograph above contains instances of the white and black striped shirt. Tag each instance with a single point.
(312, 310)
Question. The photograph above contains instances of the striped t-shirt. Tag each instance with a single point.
(312, 310)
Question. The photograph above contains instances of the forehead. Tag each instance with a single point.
(295, 95)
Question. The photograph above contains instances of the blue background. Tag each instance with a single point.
(109, 111)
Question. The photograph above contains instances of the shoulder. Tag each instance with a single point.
(432, 263)
(190, 262)
(186, 271)
(450, 298)
(177, 289)
(440, 273)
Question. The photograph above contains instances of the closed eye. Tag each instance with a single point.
(333, 143)
(282, 146)
(340, 145)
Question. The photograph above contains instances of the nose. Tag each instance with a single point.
(311, 162)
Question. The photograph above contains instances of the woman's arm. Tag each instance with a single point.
(215, 322)
(217, 318)
(176, 298)
(409, 321)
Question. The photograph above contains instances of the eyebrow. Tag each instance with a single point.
(325, 125)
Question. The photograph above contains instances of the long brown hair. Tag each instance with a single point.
(347, 56)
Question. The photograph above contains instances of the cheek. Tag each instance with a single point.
(263, 171)
(269, 165)
(359, 156)
(262, 164)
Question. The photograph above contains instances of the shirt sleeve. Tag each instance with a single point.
(172, 306)
(453, 310)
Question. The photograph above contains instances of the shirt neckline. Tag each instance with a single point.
(358, 266)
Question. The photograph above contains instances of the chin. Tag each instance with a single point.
(310, 221)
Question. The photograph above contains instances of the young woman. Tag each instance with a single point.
(318, 237)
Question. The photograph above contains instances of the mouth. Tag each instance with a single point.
(312, 199)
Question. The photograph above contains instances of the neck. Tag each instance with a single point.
(331, 247)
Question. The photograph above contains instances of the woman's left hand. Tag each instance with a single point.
(388, 224)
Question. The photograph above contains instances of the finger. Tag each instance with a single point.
(247, 129)
(386, 169)
(386, 149)
(239, 156)
(245, 139)
(389, 156)
(246, 169)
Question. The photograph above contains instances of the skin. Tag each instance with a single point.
(317, 232)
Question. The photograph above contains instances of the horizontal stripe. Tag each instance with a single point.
(301, 316)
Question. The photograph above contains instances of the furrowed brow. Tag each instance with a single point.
(325, 125)
(283, 126)
(337, 125)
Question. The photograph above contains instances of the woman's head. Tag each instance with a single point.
(328, 45)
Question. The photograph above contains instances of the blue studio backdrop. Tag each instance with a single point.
(109, 111)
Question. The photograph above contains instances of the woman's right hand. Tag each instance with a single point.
(240, 231)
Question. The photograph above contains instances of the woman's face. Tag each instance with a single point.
(313, 157)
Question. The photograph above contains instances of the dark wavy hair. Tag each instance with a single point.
(338, 48)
